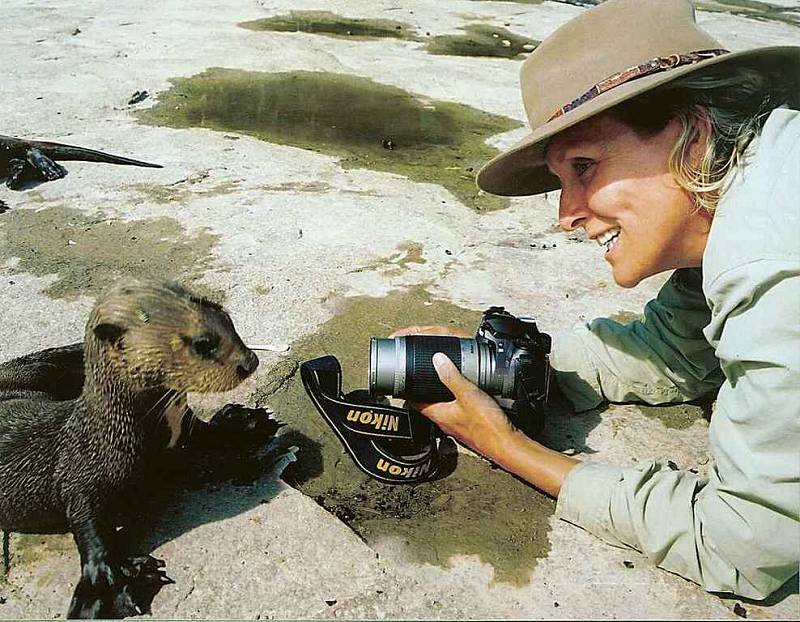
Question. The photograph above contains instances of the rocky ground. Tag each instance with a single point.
(317, 181)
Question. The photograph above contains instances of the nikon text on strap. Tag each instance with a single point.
(387, 443)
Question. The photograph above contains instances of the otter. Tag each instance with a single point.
(74, 424)
(27, 162)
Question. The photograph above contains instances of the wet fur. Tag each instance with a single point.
(75, 423)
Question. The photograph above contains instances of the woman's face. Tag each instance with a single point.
(616, 184)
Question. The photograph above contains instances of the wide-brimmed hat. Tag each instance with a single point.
(607, 55)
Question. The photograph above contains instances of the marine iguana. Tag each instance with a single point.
(24, 162)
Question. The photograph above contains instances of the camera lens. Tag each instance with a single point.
(403, 366)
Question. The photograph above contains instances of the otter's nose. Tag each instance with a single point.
(247, 364)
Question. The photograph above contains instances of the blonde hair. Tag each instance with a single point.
(733, 102)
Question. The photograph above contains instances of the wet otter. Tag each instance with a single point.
(26, 162)
(70, 440)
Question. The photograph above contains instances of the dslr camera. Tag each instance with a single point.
(507, 358)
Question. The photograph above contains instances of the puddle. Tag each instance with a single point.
(88, 252)
(332, 25)
(366, 124)
(580, 3)
(761, 11)
(476, 510)
(482, 40)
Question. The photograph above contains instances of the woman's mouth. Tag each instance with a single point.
(608, 239)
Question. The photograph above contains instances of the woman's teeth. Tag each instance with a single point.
(609, 238)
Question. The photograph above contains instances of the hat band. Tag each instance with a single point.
(655, 65)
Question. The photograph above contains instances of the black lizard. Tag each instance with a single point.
(25, 162)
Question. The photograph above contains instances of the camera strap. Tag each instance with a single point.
(387, 443)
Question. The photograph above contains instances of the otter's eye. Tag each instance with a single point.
(206, 345)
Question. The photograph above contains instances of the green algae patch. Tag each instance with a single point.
(397, 263)
(88, 252)
(365, 124)
(482, 40)
(676, 416)
(476, 510)
(180, 192)
(333, 25)
(30, 549)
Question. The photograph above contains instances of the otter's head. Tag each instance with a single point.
(161, 335)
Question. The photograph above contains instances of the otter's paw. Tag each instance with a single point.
(128, 590)
(94, 593)
(237, 426)
(143, 576)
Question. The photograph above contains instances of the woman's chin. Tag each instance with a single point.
(626, 278)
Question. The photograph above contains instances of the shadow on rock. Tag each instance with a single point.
(226, 467)
(564, 429)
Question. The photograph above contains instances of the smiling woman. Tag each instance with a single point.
(611, 177)
(674, 154)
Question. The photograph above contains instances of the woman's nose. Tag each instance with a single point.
(573, 210)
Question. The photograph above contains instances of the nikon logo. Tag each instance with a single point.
(390, 423)
(407, 472)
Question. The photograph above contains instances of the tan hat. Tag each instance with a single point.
(605, 56)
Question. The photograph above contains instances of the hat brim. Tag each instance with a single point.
(521, 170)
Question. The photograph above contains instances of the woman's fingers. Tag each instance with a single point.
(450, 375)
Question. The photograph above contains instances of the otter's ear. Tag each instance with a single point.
(110, 333)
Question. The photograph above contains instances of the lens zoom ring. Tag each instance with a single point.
(422, 382)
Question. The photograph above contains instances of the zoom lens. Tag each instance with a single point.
(403, 366)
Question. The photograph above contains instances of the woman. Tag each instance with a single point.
(673, 154)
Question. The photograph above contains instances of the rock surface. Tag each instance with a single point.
(292, 240)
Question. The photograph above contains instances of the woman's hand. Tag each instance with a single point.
(474, 417)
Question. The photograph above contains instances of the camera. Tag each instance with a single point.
(507, 358)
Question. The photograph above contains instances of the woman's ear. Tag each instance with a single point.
(701, 122)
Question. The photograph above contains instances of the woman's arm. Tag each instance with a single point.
(739, 529)
(660, 359)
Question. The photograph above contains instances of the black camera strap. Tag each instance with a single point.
(385, 442)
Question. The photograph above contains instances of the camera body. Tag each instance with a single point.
(507, 358)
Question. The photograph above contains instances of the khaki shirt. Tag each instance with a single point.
(733, 325)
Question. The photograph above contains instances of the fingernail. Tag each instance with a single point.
(439, 361)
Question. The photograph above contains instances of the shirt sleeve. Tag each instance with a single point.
(739, 529)
(661, 359)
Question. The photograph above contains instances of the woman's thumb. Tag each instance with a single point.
(449, 374)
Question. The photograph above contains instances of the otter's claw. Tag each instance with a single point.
(104, 593)
(239, 426)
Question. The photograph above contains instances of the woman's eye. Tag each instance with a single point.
(581, 166)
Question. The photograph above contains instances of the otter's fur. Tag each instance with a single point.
(66, 446)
